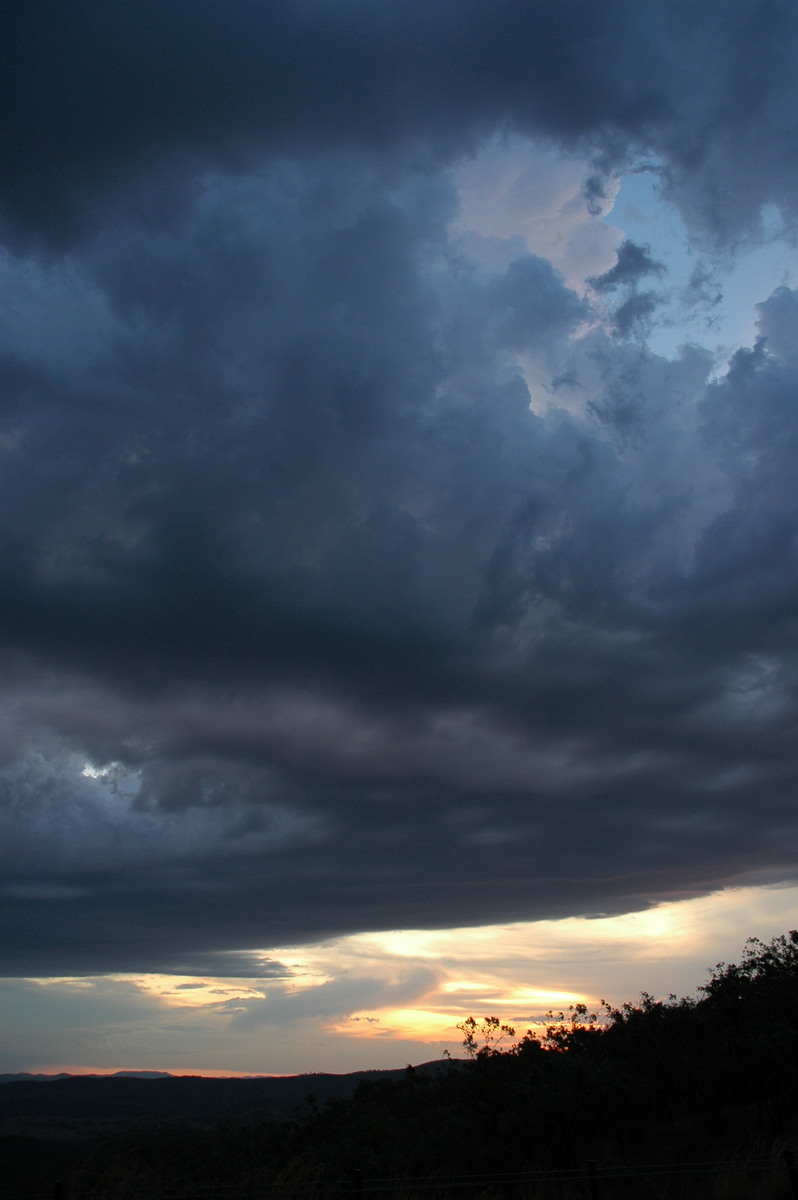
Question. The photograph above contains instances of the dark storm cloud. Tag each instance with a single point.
(634, 312)
(104, 106)
(91, 95)
(310, 623)
(634, 263)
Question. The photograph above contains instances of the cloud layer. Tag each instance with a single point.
(356, 573)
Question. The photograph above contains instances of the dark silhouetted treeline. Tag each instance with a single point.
(712, 1077)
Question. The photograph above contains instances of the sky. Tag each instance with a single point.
(399, 584)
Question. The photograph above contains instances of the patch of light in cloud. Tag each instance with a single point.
(519, 196)
(119, 778)
(703, 298)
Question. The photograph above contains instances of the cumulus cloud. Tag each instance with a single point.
(357, 575)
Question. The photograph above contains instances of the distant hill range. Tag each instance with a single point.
(69, 1106)
(27, 1077)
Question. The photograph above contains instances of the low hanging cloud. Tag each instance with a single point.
(357, 574)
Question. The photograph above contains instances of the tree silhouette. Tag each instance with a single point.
(483, 1038)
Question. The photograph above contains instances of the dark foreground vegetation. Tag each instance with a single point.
(711, 1080)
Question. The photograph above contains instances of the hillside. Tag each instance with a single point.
(88, 1105)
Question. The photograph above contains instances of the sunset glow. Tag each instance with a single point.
(314, 1016)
